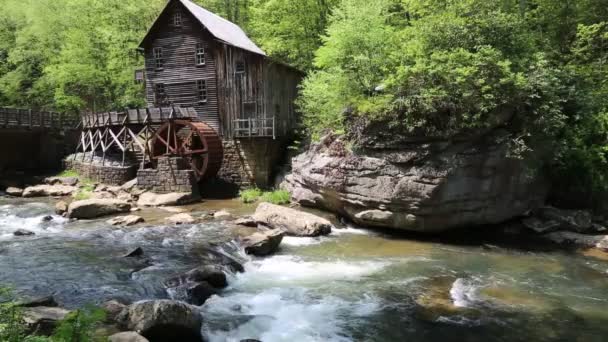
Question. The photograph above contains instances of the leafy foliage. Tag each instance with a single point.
(253, 195)
(250, 195)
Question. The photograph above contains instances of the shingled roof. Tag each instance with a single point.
(222, 29)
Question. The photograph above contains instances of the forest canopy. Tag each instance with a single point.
(428, 67)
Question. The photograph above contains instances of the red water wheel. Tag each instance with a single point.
(196, 142)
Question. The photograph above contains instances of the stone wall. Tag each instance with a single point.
(108, 174)
(172, 174)
(249, 162)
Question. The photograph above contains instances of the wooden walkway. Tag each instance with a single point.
(13, 118)
(135, 117)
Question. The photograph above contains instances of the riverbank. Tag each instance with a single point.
(355, 284)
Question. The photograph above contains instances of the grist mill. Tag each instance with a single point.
(218, 109)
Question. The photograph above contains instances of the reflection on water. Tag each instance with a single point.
(353, 285)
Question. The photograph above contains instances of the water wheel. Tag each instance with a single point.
(196, 142)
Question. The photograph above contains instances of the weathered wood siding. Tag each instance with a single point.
(268, 88)
(180, 72)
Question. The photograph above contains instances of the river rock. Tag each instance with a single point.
(548, 219)
(263, 243)
(128, 186)
(23, 232)
(246, 221)
(48, 301)
(210, 274)
(415, 184)
(577, 240)
(137, 252)
(194, 293)
(42, 320)
(49, 190)
(129, 220)
(292, 222)
(61, 208)
(13, 191)
(182, 218)
(222, 215)
(150, 199)
(127, 336)
(163, 320)
(112, 309)
(71, 181)
(92, 208)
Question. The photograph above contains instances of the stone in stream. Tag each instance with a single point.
(150, 199)
(222, 215)
(129, 220)
(137, 252)
(163, 320)
(246, 221)
(42, 320)
(49, 190)
(127, 336)
(181, 219)
(197, 285)
(61, 208)
(93, 208)
(14, 192)
(47, 218)
(48, 301)
(23, 232)
(128, 186)
(292, 222)
(577, 240)
(263, 243)
(112, 308)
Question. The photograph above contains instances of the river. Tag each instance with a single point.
(354, 285)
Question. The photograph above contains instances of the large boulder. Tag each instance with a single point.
(423, 185)
(163, 320)
(92, 208)
(150, 199)
(292, 222)
(263, 243)
(49, 190)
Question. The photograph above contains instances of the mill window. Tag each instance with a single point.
(177, 19)
(240, 67)
(201, 87)
(158, 58)
(200, 54)
(160, 94)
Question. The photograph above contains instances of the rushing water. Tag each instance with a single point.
(354, 285)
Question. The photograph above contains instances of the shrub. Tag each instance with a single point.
(250, 195)
(277, 197)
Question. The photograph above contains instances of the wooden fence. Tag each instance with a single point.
(28, 119)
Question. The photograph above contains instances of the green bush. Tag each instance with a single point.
(274, 197)
(250, 195)
(68, 173)
(277, 197)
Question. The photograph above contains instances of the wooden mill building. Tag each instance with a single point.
(195, 58)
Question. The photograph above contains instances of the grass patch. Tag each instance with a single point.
(250, 195)
(275, 197)
(68, 173)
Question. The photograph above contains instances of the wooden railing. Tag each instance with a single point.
(137, 116)
(26, 118)
(254, 128)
